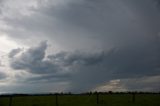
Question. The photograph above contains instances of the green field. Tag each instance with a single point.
(83, 100)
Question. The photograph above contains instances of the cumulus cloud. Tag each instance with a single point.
(52, 68)
(35, 60)
(76, 58)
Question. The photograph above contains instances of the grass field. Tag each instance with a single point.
(83, 100)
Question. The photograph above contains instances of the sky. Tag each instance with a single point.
(79, 45)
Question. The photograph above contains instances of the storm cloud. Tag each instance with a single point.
(86, 71)
(32, 60)
(35, 60)
(89, 42)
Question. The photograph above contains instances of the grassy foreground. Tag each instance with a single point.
(82, 100)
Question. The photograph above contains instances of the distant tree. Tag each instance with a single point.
(110, 92)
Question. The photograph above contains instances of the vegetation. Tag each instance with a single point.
(88, 99)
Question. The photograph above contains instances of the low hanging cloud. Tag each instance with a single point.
(52, 68)
(143, 84)
(112, 85)
(87, 71)
(150, 83)
(34, 60)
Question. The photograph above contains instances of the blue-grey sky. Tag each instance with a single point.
(79, 45)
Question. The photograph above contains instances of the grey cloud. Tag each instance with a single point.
(150, 83)
(49, 78)
(86, 71)
(112, 85)
(129, 27)
(33, 60)
(118, 64)
(76, 58)
(34, 88)
(1, 65)
(14, 52)
(114, 22)
(3, 75)
(144, 84)
(90, 24)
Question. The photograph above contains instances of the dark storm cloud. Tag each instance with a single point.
(86, 71)
(117, 23)
(76, 58)
(33, 60)
(119, 64)
(56, 68)
(88, 24)
(131, 28)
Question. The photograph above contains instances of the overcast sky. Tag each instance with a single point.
(79, 45)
